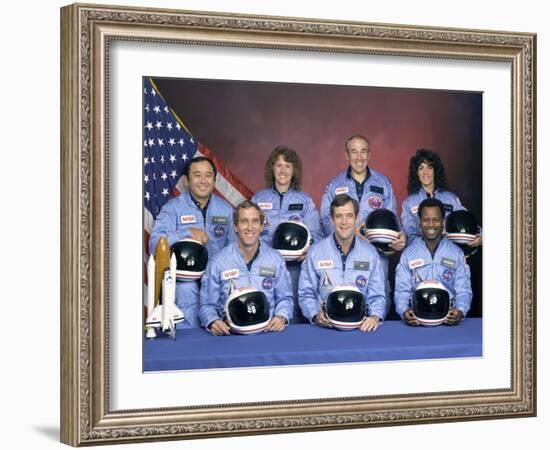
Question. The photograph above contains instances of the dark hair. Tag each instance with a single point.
(246, 205)
(432, 158)
(289, 156)
(431, 203)
(356, 136)
(341, 200)
(198, 159)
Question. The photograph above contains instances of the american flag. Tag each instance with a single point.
(167, 147)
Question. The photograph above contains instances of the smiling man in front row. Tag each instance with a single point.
(342, 259)
(433, 258)
(246, 264)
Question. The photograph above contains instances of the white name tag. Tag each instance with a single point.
(414, 209)
(325, 264)
(188, 219)
(416, 263)
(265, 205)
(341, 190)
(231, 273)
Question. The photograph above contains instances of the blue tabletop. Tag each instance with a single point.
(309, 344)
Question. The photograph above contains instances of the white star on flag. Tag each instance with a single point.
(172, 141)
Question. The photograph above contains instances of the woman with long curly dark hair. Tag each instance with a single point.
(427, 180)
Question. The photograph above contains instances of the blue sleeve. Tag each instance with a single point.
(209, 295)
(327, 198)
(403, 286)
(409, 221)
(166, 224)
(463, 288)
(376, 291)
(390, 202)
(307, 289)
(312, 220)
(284, 304)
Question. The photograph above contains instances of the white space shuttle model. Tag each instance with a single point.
(166, 315)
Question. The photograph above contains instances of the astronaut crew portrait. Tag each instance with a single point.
(276, 260)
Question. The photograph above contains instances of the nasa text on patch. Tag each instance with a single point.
(231, 273)
(447, 207)
(341, 190)
(415, 263)
(188, 219)
(325, 264)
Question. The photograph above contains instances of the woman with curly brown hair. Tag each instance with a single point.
(284, 201)
(427, 180)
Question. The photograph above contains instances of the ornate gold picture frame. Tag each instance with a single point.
(87, 34)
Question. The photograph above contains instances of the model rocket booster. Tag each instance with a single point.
(150, 295)
(166, 315)
(162, 261)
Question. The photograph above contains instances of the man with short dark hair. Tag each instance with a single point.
(198, 214)
(342, 259)
(433, 258)
(246, 263)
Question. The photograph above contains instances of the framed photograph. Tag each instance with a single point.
(484, 81)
